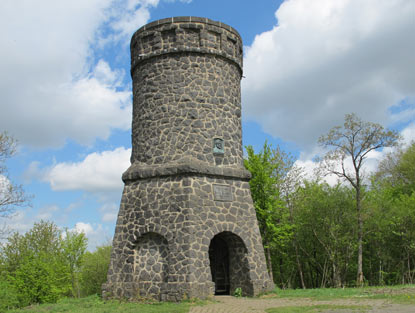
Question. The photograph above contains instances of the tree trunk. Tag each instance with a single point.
(359, 239)
(300, 270)
(336, 276)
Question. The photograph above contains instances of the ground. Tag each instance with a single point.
(229, 304)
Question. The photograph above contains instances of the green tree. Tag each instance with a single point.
(94, 270)
(268, 168)
(73, 250)
(392, 196)
(397, 170)
(354, 141)
(8, 295)
(326, 230)
(41, 264)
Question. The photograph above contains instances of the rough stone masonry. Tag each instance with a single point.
(187, 225)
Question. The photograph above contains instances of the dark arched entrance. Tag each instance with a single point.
(229, 264)
(219, 265)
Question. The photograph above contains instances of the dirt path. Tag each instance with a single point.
(228, 304)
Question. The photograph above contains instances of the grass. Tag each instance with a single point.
(93, 304)
(319, 308)
(397, 294)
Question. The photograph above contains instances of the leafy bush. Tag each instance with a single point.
(8, 295)
(41, 279)
(42, 265)
(94, 270)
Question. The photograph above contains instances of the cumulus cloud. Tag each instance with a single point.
(96, 233)
(85, 228)
(128, 16)
(97, 172)
(52, 85)
(23, 220)
(328, 58)
(408, 134)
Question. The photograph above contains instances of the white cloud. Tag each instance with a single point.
(24, 220)
(96, 234)
(19, 222)
(328, 58)
(4, 185)
(97, 172)
(127, 18)
(85, 228)
(408, 134)
(52, 86)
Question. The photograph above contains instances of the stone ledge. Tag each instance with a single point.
(186, 49)
(139, 171)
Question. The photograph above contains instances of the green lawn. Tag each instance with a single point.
(398, 294)
(319, 308)
(94, 304)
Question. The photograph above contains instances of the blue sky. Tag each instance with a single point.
(66, 89)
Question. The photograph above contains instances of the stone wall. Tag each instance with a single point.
(186, 183)
(183, 211)
(186, 91)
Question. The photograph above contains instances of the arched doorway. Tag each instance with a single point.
(219, 265)
(229, 264)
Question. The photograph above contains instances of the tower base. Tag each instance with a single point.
(186, 231)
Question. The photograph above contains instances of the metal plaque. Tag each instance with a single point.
(218, 146)
(222, 192)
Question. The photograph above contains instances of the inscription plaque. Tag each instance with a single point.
(222, 192)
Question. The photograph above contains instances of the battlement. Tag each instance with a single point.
(186, 34)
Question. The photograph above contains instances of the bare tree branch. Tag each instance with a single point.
(11, 195)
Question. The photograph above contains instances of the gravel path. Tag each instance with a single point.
(228, 304)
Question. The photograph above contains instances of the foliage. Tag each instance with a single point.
(41, 264)
(73, 250)
(11, 195)
(94, 270)
(8, 295)
(312, 232)
(354, 141)
(392, 226)
(397, 171)
(325, 217)
(41, 279)
(268, 169)
(238, 292)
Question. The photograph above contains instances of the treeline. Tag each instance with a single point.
(311, 230)
(358, 231)
(46, 264)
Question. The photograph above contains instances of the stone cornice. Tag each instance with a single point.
(186, 166)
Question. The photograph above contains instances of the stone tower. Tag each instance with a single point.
(186, 226)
